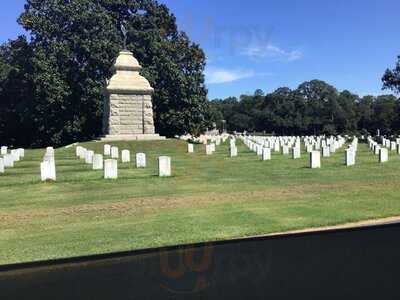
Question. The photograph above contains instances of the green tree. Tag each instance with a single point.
(320, 101)
(386, 109)
(16, 87)
(73, 45)
(391, 78)
(345, 114)
(279, 111)
(365, 113)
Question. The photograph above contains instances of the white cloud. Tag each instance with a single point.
(220, 75)
(271, 52)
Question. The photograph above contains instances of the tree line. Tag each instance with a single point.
(314, 107)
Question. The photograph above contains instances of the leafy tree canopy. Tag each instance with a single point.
(391, 78)
(68, 61)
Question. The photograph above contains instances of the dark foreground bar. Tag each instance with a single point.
(362, 263)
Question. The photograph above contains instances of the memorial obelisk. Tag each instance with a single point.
(128, 111)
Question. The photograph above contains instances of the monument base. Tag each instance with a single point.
(135, 137)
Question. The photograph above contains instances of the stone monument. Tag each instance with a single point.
(128, 111)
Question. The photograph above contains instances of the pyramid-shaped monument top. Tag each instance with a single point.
(126, 78)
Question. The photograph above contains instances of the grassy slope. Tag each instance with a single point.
(208, 198)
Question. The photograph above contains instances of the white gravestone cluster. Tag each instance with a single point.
(110, 166)
(90, 157)
(98, 161)
(264, 146)
(382, 149)
(7, 159)
(211, 142)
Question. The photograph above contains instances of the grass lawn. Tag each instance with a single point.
(208, 198)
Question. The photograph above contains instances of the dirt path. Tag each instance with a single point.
(381, 221)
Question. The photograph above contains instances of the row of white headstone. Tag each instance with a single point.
(110, 166)
(7, 159)
(382, 150)
(263, 146)
(211, 143)
(216, 141)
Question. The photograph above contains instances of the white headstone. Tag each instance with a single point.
(114, 152)
(377, 149)
(110, 169)
(259, 149)
(48, 170)
(15, 155)
(277, 147)
(213, 148)
(315, 159)
(285, 150)
(296, 153)
(383, 155)
(140, 160)
(126, 156)
(233, 152)
(77, 150)
(332, 148)
(107, 149)
(4, 150)
(190, 148)
(81, 152)
(266, 155)
(50, 151)
(209, 150)
(89, 157)
(326, 152)
(8, 161)
(164, 166)
(97, 162)
(21, 152)
(1, 165)
(350, 157)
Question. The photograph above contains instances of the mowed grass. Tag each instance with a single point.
(208, 198)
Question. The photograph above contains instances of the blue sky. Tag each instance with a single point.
(268, 44)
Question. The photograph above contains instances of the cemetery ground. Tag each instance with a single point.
(207, 198)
